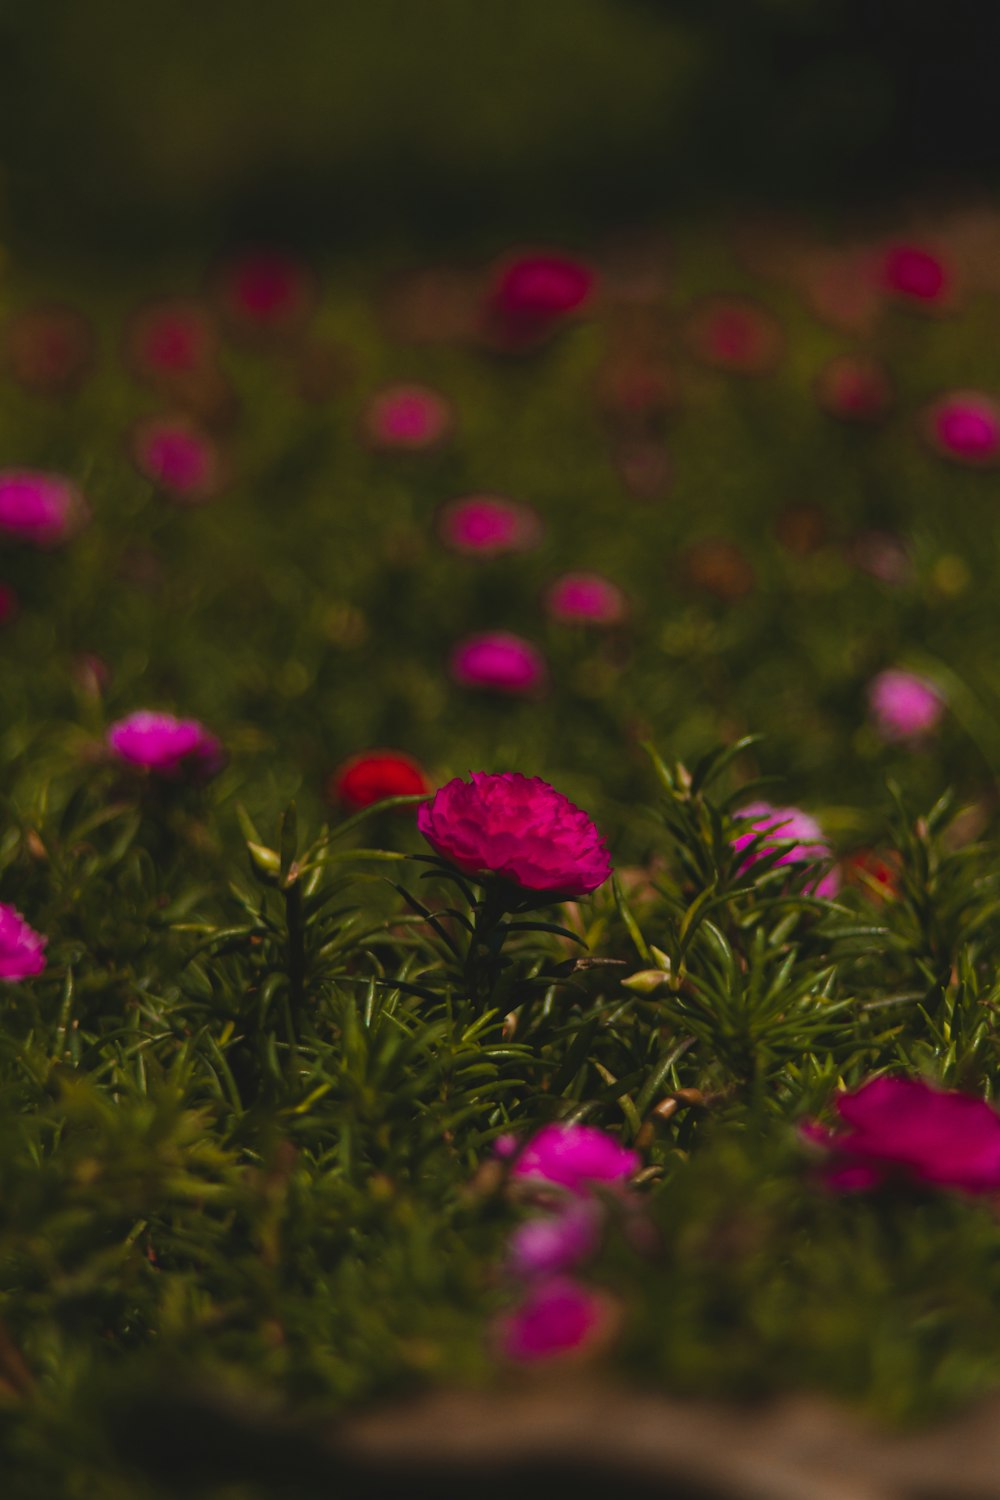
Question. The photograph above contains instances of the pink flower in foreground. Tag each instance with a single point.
(916, 274)
(558, 1316)
(166, 746)
(535, 291)
(22, 952)
(586, 599)
(549, 1243)
(965, 426)
(518, 827)
(903, 1126)
(788, 823)
(903, 705)
(177, 457)
(486, 526)
(575, 1157)
(499, 662)
(408, 416)
(38, 508)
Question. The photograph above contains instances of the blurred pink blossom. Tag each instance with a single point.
(409, 417)
(22, 952)
(499, 662)
(165, 745)
(965, 426)
(586, 599)
(558, 1316)
(178, 458)
(549, 1243)
(788, 823)
(903, 705)
(39, 508)
(575, 1157)
(487, 525)
(915, 273)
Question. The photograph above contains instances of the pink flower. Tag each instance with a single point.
(176, 456)
(965, 426)
(267, 292)
(586, 599)
(49, 350)
(518, 827)
(38, 508)
(172, 339)
(486, 526)
(904, 1126)
(903, 705)
(535, 291)
(855, 388)
(558, 1316)
(575, 1157)
(788, 823)
(166, 746)
(408, 416)
(881, 556)
(735, 335)
(550, 1243)
(499, 662)
(915, 273)
(21, 947)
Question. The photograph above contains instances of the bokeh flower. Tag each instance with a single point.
(586, 599)
(39, 508)
(498, 662)
(487, 525)
(558, 1316)
(179, 459)
(903, 1127)
(903, 705)
(49, 350)
(374, 775)
(267, 293)
(22, 949)
(575, 1157)
(532, 293)
(734, 335)
(855, 388)
(916, 274)
(408, 417)
(171, 340)
(965, 426)
(791, 826)
(165, 745)
(549, 1243)
(518, 827)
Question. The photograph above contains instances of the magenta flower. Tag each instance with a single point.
(904, 1127)
(575, 1157)
(171, 340)
(855, 388)
(586, 599)
(550, 1243)
(788, 823)
(486, 526)
(915, 274)
(267, 292)
(965, 426)
(537, 290)
(166, 746)
(22, 949)
(903, 705)
(498, 662)
(408, 417)
(518, 827)
(39, 508)
(178, 458)
(735, 335)
(557, 1317)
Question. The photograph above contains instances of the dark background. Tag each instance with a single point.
(141, 127)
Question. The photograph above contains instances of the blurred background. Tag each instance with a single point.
(167, 124)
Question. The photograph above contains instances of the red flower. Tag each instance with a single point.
(374, 775)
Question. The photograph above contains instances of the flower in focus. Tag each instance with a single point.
(176, 456)
(558, 1316)
(374, 775)
(165, 745)
(486, 526)
(902, 1126)
(808, 846)
(267, 292)
(855, 388)
(22, 949)
(38, 508)
(549, 1243)
(498, 662)
(915, 274)
(734, 335)
(903, 705)
(408, 417)
(533, 293)
(575, 1157)
(518, 827)
(49, 350)
(586, 599)
(965, 426)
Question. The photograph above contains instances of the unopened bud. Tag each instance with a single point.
(646, 981)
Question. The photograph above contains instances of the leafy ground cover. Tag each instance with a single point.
(279, 1089)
